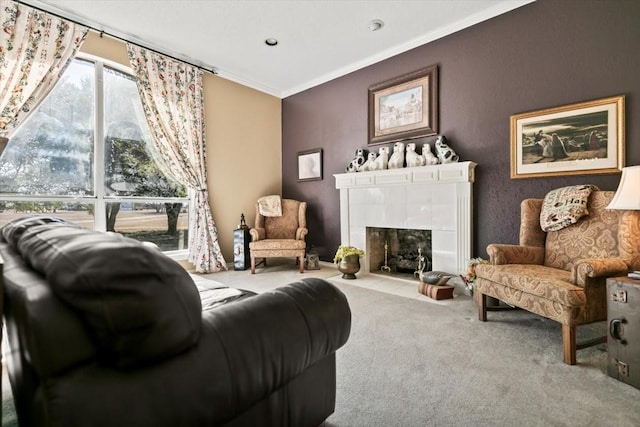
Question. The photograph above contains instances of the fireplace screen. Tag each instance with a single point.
(398, 251)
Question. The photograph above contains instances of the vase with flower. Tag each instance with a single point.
(347, 259)
(470, 276)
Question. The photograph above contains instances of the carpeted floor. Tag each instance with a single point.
(408, 363)
(411, 361)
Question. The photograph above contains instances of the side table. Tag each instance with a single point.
(241, 239)
(623, 339)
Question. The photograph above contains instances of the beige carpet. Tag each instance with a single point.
(408, 363)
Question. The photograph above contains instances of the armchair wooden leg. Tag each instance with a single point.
(482, 307)
(253, 264)
(569, 344)
(301, 262)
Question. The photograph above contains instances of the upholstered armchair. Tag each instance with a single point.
(279, 235)
(561, 274)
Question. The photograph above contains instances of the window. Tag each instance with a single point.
(86, 155)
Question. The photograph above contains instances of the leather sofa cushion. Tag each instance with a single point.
(12, 231)
(140, 305)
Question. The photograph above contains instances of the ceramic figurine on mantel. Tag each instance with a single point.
(404, 155)
(396, 161)
(429, 158)
(359, 159)
(445, 153)
(413, 159)
(369, 164)
(382, 161)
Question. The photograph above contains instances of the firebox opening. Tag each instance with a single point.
(407, 251)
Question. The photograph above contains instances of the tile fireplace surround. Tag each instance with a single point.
(437, 198)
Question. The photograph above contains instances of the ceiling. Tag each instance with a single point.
(318, 40)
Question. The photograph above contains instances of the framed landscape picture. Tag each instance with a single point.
(576, 139)
(404, 107)
(310, 165)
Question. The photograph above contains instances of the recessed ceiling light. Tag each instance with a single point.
(271, 41)
(376, 24)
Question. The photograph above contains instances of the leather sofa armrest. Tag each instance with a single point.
(301, 233)
(515, 254)
(46, 334)
(271, 338)
(590, 268)
(257, 233)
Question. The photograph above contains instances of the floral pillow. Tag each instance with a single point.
(565, 206)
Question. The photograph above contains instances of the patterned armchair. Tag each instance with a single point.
(280, 236)
(561, 274)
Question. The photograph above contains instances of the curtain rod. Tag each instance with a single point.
(119, 36)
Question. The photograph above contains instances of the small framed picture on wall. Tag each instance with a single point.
(310, 165)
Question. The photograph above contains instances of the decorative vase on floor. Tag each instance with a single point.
(349, 266)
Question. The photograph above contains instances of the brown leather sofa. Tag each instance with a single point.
(106, 331)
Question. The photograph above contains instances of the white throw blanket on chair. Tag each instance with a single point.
(270, 206)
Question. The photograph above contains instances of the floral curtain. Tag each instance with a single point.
(172, 98)
(35, 49)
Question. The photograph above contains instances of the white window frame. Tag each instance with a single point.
(99, 199)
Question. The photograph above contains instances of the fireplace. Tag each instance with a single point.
(398, 252)
(438, 199)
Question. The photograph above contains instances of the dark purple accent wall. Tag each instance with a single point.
(545, 54)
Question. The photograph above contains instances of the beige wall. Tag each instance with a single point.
(244, 140)
(244, 155)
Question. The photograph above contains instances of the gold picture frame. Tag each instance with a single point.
(404, 107)
(575, 139)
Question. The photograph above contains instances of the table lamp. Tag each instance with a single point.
(627, 195)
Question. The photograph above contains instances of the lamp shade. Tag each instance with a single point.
(627, 195)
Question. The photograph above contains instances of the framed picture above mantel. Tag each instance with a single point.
(575, 139)
(404, 107)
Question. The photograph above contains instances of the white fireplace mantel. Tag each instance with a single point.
(437, 198)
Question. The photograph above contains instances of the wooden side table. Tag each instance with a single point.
(623, 339)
